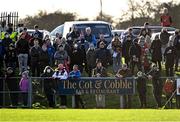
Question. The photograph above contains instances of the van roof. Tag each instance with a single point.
(86, 22)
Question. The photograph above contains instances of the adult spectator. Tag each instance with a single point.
(156, 51)
(44, 58)
(35, 53)
(7, 44)
(148, 41)
(155, 75)
(27, 36)
(91, 59)
(177, 47)
(12, 33)
(145, 54)
(89, 37)
(7, 41)
(99, 71)
(125, 49)
(73, 37)
(166, 19)
(101, 39)
(123, 73)
(61, 74)
(66, 46)
(37, 35)
(49, 85)
(51, 52)
(135, 54)
(10, 56)
(22, 48)
(117, 53)
(103, 54)
(141, 88)
(78, 57)
(12, 86)
(2, 53)
(75, 74)
(146, 30)
(164, 37)
(126, 35)
(61, 56)
(57, 41)
(169, 56)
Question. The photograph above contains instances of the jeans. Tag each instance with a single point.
(22, 59)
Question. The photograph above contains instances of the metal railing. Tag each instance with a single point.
(38, 83)
(9, 18)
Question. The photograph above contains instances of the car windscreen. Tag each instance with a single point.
(30, 33)
(59, 29)
(96, 29)
(156, 30)
(136, 31)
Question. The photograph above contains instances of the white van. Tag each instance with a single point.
(97, 27)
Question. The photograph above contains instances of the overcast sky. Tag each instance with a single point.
(84, 8)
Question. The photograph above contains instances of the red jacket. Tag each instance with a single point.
(166, 21)
(168, 87)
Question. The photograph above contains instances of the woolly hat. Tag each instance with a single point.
(26, 73)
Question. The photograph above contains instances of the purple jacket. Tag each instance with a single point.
(24, 85)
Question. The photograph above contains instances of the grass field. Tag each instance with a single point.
(93, 115)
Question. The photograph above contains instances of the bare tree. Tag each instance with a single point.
(104, 17)
(48, 21)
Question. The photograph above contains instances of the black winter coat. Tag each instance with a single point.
(104, 55)
(35, 54)
(156, 50)
(170, 55)
(22, 46)
(91, 58)
(125, 48)
(49, 83)
(141, 84)
(135, 49)
(44, 58)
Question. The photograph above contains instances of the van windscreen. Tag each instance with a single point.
(96, 29)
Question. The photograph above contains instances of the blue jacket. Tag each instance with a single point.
(38, 34)
(51, 51)
(91, 39)
(75, 74)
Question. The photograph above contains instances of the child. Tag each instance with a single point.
(168, 89)
(24, 86)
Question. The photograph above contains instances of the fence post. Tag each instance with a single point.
(4, 92)
(121, 101)
(73, 101)
(30, 93)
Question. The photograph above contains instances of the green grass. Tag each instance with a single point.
(95, 115)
